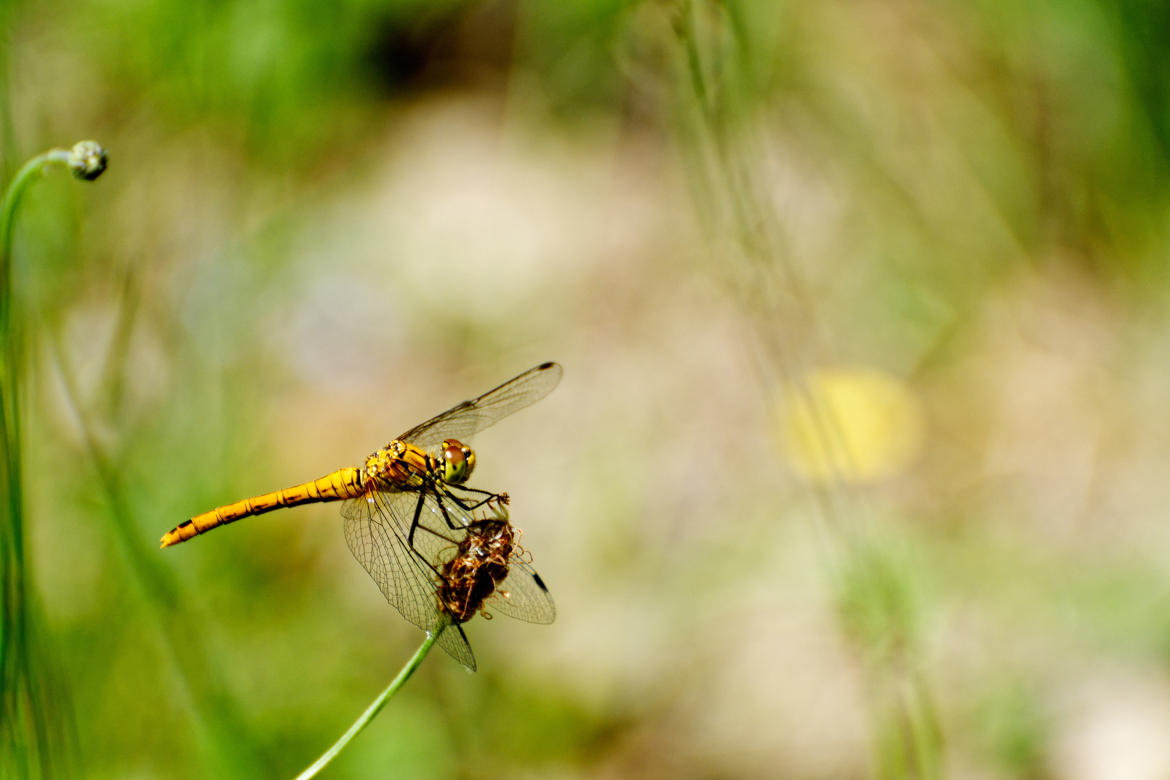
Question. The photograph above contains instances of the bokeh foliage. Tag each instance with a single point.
(323, 223)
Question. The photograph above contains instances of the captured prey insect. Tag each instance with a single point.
(407, 503)
(489, 568)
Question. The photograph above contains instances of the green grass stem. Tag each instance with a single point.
(374, 708)
(216, 714)
(718, 91)
(31, 702)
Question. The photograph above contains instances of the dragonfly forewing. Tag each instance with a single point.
(470, 417)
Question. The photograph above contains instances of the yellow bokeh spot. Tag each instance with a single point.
(851, 425)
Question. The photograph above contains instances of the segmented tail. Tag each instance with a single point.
(341, 484)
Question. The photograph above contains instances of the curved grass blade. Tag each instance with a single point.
(374, 708)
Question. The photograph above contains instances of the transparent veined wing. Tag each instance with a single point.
(470, 417)
(522, 595)
(376, 527)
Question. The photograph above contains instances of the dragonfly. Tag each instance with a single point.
(408, 503)
(489, 569)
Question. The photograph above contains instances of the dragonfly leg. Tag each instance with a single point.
(467, 506)
(428, 564)
(415, 524)
(422, 497)
(487, 493)
(452, 539)
(442, 508)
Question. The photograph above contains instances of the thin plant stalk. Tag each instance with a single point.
(216, 714)
(27, 693)
(719, 86)
(374, 708)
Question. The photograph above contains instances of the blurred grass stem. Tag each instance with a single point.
(373, 709)
(30, 698)
(216, 713)
(726, 155)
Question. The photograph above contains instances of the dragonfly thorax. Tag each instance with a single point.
(399, 465)
(404, 466)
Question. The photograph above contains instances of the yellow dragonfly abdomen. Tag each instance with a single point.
(397, 466)
(341, 484)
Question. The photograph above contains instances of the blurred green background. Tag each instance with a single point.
(859, 463)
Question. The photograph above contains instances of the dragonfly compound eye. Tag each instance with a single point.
(458, 462)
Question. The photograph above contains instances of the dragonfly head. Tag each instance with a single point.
(458, 462)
